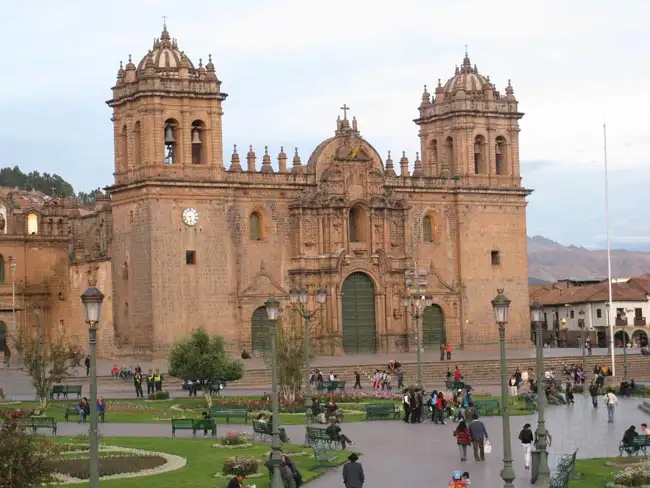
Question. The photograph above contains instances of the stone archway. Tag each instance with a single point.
(639, 337)
(260, 326)
(620, 336)
(433, 327)
(358, 312)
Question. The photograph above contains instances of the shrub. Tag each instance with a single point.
(241, 465)
(108, 465)
(159, 395)
(638, 475)
(24, 456)
(235, 439)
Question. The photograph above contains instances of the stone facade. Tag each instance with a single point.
(196, 244)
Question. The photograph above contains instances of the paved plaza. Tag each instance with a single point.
(394, 452)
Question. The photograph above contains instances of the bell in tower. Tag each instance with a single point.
(198, 151)
(170, 142)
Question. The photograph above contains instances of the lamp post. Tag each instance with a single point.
(501, 304)
(273, 313)
(416, 285)
(12, 263)
(543, 472)
(581, 324)
(92, 300)
(299, 300)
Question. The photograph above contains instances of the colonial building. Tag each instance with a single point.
(202, 242)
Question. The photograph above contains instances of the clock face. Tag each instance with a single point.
(190, 216)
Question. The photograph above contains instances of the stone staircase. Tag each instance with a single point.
(485, 372)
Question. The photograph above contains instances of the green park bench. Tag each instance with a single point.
(565, 471)
(230, 412)
(455, 385)
(65, 390)
(330, 386)
(323, 457)
(530, 402)
(37, 422)
(262, 430)
(71, 410)
(638, 446)
(194, 425)
(382, 411)
(487, 407)
(317, 436)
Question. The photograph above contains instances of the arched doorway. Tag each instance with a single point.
(639, 338)
(619, 337)
(3, 336)
(433, 327)
(260, 326)
(358, 304)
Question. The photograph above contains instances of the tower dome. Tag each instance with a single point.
(165, 55)
(467, 79)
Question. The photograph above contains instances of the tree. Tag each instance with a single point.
(24, 457)
(201, 357)
(290, 357)
(46, 363)
(89, 198)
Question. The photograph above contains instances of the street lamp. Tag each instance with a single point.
(416, 284)
(92, 300)
(501, 304)
(581, 324)
(299, 299)
(542, 473)
(273, 313)
(12, 264)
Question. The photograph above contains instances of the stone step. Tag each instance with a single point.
(645, 407)
(478, 372)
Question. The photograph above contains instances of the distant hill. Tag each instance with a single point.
(551, 261)
(536, 281)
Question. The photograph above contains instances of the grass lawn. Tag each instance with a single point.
(161, 411)
(203, 461)
(594, 472)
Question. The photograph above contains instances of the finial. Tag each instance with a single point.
(235, 148)
(281, 149)
(389, 154)
(425, 88)
(296, 154)
(509, 84)
(500, 291)
(200, 62)
(403, 154)
(417, 155)
(345, 109)
(250, 148)
(209, 58)
(266, 150)
(466, 52)
(130, 59)
(439, 83)
(164, 17)
(121, 66)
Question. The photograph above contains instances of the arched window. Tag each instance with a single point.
(480, 166)
(255, 226)
(501, 162)
(123, 150)
(357, 224)
(2, 269)
(198, 143)
(449, 154)
(137, 144)
(434, 157)
(429, 229)
(171, 137)
(32, 224)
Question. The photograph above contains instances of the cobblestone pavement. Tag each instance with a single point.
(394, 452)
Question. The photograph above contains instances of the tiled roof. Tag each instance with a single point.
(561, 293)
(23, 198)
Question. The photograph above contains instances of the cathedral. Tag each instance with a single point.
(192, 239)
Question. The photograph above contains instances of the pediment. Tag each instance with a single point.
(263, 285)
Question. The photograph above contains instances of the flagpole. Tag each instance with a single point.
(610, 323)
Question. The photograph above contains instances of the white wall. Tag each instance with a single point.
(591, 313)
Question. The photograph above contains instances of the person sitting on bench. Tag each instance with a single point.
(83, 409)
(334, 431)
(628, 439)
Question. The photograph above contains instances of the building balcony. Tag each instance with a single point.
(621, 322)
(639, 321)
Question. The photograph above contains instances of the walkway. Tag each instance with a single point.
(422, 453)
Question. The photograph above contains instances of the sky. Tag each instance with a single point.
(288, 65)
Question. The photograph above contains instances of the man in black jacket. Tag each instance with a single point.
(593, 391)
(353, 476)
(526, 437)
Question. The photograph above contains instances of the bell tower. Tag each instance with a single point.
(167, 117)
(470, 130)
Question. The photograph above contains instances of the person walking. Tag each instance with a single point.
(87, 365)
(593, 391)
(353, 476)
(137, 383)
(463, 439)
(357, 380)
(610, 402)
(526, 437)
(479, 437)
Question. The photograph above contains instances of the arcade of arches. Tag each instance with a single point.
(636, 338)
(359, 320)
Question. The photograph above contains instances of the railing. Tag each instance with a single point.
(639, 321)
(621, 322)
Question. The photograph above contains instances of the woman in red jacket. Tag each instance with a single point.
(463, 439)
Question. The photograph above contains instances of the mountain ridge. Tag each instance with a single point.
(551, 261)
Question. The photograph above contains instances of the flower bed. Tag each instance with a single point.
(637, 475)
(108, 465)
(245, 466)
(235, 439)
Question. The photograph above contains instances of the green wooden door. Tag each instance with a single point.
(3, 336)
(260, 328)
(433, 327)
(359, 327)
